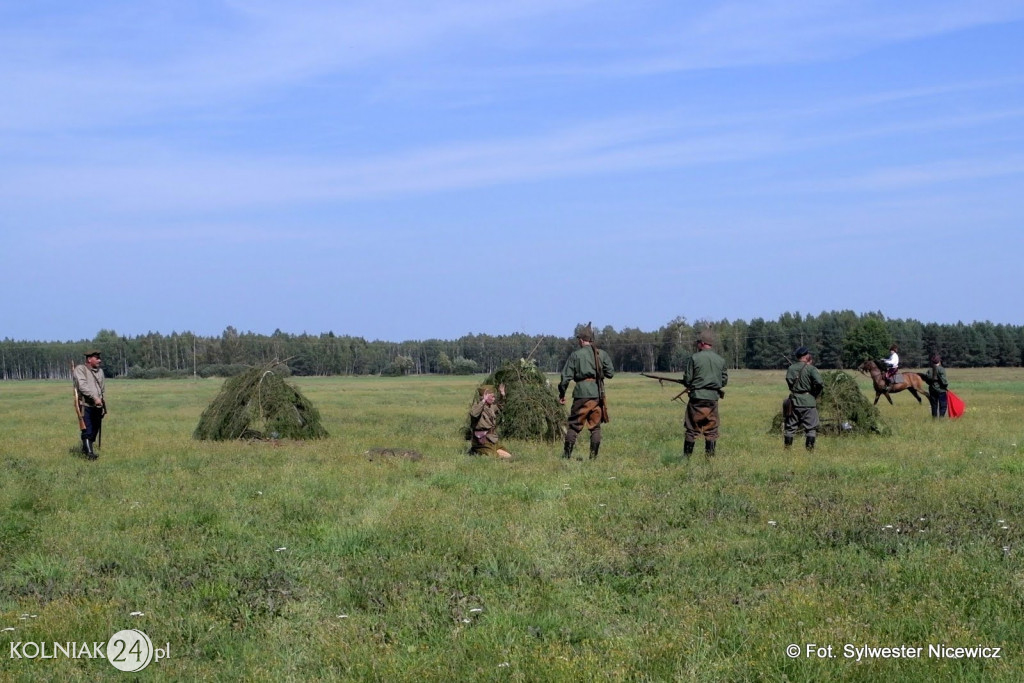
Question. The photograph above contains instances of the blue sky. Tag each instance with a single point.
(407, 170)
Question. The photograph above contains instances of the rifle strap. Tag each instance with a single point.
(798, 377)
(599, 376)
(598, 370)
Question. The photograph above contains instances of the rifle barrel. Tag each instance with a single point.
(662, 378)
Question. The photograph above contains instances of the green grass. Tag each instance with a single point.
(307, 561)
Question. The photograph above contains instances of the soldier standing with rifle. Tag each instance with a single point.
(800, 409)
(588, 366)
(704, 378)
(89, 394)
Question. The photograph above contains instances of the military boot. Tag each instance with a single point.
(809, 443)
(87, 449)
(594, 448)
(709, 449)
(567, 449)
(787, 441)
(687, 449)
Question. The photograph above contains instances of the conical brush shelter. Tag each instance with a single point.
(259, 404)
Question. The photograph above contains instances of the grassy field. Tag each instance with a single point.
(308, 561)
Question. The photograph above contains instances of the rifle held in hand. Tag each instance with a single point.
(661, 381)
(78, 400)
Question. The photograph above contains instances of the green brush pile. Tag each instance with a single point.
(842, 408)
(259, 404)
(530, 409)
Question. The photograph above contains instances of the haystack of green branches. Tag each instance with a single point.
(259, 404)
(843, 408)
(530, 409)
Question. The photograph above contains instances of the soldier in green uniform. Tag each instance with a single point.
(483, 419)
(937, 386)
(805, 385)
(705, 378)
(588, 366)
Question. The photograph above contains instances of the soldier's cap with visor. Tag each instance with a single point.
(801, 351)
(93, 352)
(585, 332)
(706, 337)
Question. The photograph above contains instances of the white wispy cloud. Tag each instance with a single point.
(897, 178)
(103, 64)
(96, 65)
(134, 177)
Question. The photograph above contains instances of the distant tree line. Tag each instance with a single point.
(841, 339)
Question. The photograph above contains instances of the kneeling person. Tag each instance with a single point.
(483, 420)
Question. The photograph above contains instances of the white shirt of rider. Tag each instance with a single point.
(893, 361)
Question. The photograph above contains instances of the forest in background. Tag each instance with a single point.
(839, 339)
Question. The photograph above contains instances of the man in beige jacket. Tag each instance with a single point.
(89, 385)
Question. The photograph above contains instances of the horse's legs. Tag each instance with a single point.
(914, 393)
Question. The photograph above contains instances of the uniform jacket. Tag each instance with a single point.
(705, 374)
(939, 383)
(483, 419)
(90, 384)
(805, 384)
(580, 368)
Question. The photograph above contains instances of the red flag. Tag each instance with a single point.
(956, 404)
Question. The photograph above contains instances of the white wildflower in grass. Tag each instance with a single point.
(465, 621)
(772, 522)
(1004, 527)
(1006, 550)
(503, 665)
(476, 609)
(282, 548)
(9, 628)
(137, 614)
(1000, 521)
(343, 616)
(601, 505)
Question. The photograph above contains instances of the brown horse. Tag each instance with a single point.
(912, 382)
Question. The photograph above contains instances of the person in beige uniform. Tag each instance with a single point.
(90, 385)
(483, 420)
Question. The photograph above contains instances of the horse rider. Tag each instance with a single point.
(892, 364)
